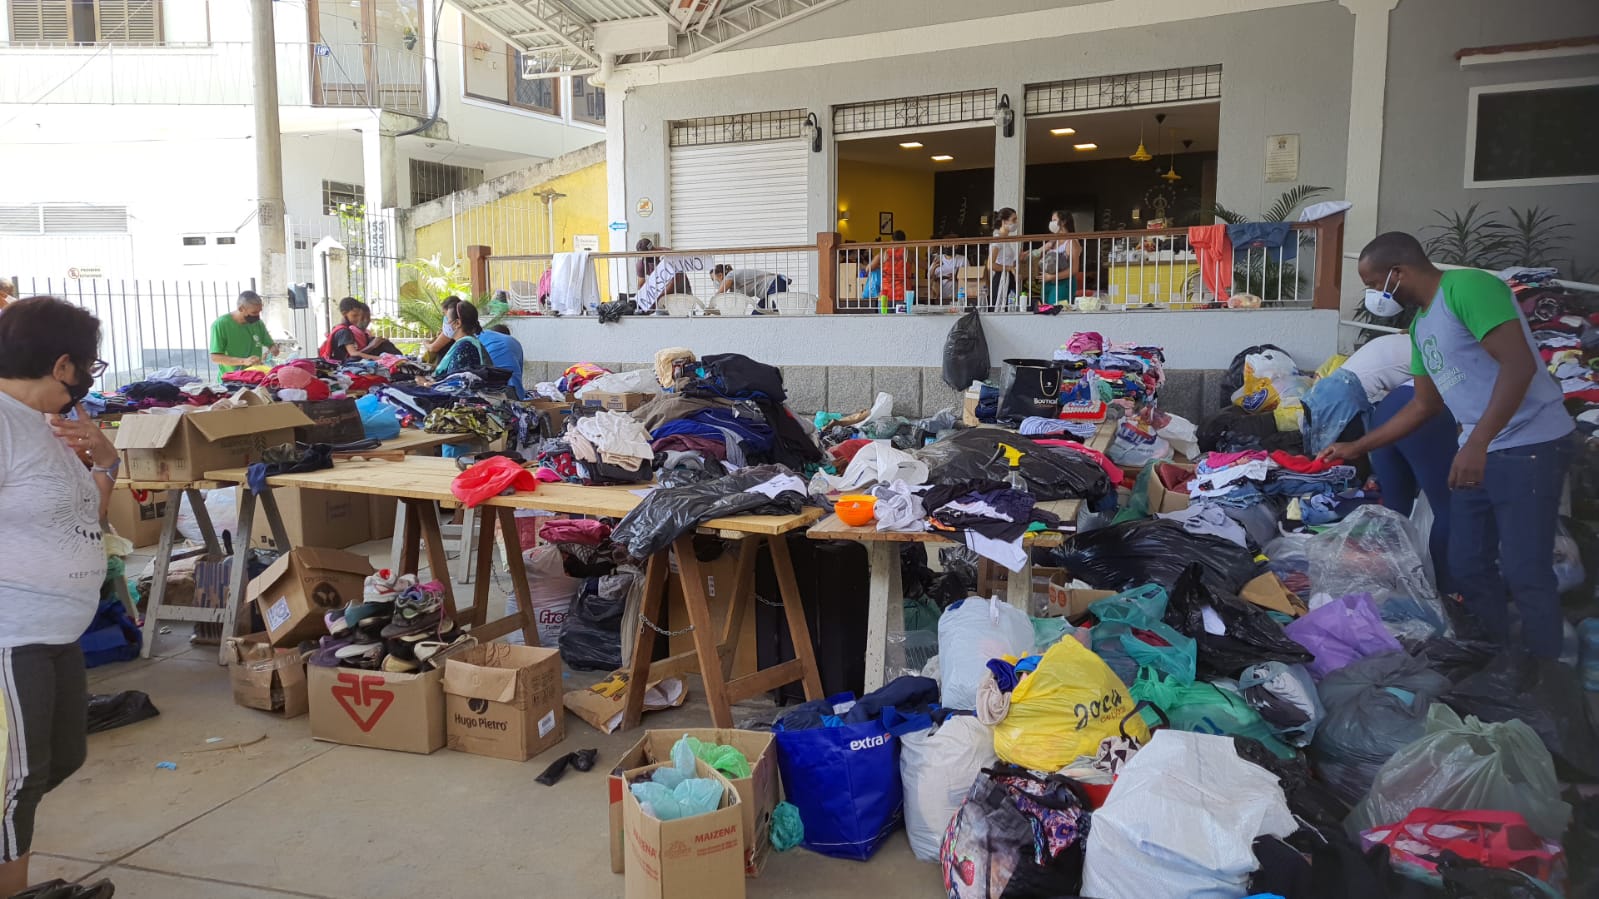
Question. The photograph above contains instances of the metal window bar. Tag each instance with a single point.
(743, 128)
(913, 112)
(431, 180)
(1121, 91)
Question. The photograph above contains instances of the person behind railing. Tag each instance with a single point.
(750, 282)
(505, 352)
(1003, 258)
(441, 344)
(944, 265)
(890, 263)
(645, 266)
(1061, 266)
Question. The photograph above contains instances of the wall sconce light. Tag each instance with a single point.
(479, 50)
(1004, 117)
(843, 215)
(813, 130)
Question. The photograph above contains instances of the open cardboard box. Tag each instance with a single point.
(265, 678)
(758, 794)
(1163, 498)
(304, 584)
(504, 701)
(183, 447)
(701, 857)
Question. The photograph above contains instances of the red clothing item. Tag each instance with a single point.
(1301, 464)
(844, 453)
(1215, 253)
(1111, 468)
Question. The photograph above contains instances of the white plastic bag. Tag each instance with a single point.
(1270, 379)
(551, 591)
(970, 633)
(1182, 820)
(637, 381)
(1182, 434)
(1375, 551)
(938, 768)
(223, 508)
(878, 462)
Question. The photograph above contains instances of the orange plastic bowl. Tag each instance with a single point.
(856, 509)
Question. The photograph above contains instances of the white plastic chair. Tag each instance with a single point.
(682, 305)
(524, 296)
(794, 303)
(732, 304)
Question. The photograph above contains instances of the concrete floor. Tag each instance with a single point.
(289, 816)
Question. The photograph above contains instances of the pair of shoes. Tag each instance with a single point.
(385, 585)
(61, 889)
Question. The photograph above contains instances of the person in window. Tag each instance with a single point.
(644, 266)
(750, 282)
(8, 292)
(505, 352)
(1472, 353)
(56, 477)
(890, 261)
(1061, 268)
(466, 351)
(441, 343)
(239, 339)
(1003, 258)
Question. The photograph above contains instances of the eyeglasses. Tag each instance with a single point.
(98, 368)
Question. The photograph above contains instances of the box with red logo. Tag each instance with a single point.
(691, 858)
(379, 709)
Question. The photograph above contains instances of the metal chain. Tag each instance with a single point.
(766, 602)
(665, 633)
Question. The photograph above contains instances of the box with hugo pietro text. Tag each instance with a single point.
(701, 857)
(758, 794)
(504, 701)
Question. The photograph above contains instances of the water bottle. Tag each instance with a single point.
(1588, 653)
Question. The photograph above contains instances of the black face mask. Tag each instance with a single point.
(78, 389)
(251, 319)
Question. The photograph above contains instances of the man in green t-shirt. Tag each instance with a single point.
(1471, 351)
(240, 339)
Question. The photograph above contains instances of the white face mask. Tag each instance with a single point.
(1054, 226)
(449, 329)
(1381, 303)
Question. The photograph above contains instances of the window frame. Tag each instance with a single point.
(1472, 99)
(513, 75)
(357, 191)
(72, 39)
(571, 87)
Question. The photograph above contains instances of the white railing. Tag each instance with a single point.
(359, 75)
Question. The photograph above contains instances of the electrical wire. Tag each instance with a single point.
(438, 86)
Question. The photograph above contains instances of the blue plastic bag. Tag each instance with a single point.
(845, 781)
(378, 421)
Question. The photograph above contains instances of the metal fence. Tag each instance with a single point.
(1110, 271)
(146, 326)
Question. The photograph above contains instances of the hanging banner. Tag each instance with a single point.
(666, 271)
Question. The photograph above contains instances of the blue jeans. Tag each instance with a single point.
(1419, 464)
(1502, 545)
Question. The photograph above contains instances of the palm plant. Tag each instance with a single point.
(1532, 236)
(431, 281)
(1466, 238)
(1279, 211)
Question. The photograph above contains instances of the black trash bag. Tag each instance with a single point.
(1027, 388)
(611, 313)
(108, 711)
(1454, 658)
(1234, 378)
(1308, 798)
(1250, 634)
(958, 580)
(591, 639)
(581, 760)
(973, 455)
(1233, 430)
(965, 352)
(1155, 550)
(668, 513)
(1375, 706)
(1545, 694)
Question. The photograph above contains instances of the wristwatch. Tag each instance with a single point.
(109, 471)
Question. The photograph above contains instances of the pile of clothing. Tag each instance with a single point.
(163, 389)
(1119, 370)
(1305, 490)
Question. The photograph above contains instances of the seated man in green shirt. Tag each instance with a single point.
(1472, 352)
(240, 339)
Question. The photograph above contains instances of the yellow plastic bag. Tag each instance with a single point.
(1333, 363)
(1065, 709)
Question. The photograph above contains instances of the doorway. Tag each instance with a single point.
(367, 53)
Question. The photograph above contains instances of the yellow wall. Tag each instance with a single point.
(515, 224)
(865, 189)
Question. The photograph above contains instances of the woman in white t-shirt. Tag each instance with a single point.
(1003, 258)
(55, 477)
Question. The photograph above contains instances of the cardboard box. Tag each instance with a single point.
(758, 794)
(849, 281)
(969, 402)
(616, 402)
(272, 680)
(332, 421)
(691, 858)
(1163, 498)
(1071, 604)
(296, 590)
(403, 712)
(381, 512)
(316, 518)
(185, 447)
(504, 701)
(139, 522)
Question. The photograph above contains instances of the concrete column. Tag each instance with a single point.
(274, 283)
(1010, 157)
(1367, 83)
(379, 167)
(616, 163)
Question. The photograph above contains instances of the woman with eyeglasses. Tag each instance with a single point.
(56, 475)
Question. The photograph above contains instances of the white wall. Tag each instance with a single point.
(1193, 340)
(309, 159)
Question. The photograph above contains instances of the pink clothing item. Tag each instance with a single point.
(1218, 461)
(586, 531)
(1086, 343)
(1111, 468)
(1215, 253)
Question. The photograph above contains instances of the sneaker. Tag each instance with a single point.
(401, 627)
(326, 654)
(336, 623)
(356, 612)
(428, 652)
(360, 655)
(396, 665)
(380, 587)
(420, 601)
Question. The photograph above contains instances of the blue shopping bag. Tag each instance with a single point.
(845, 781)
